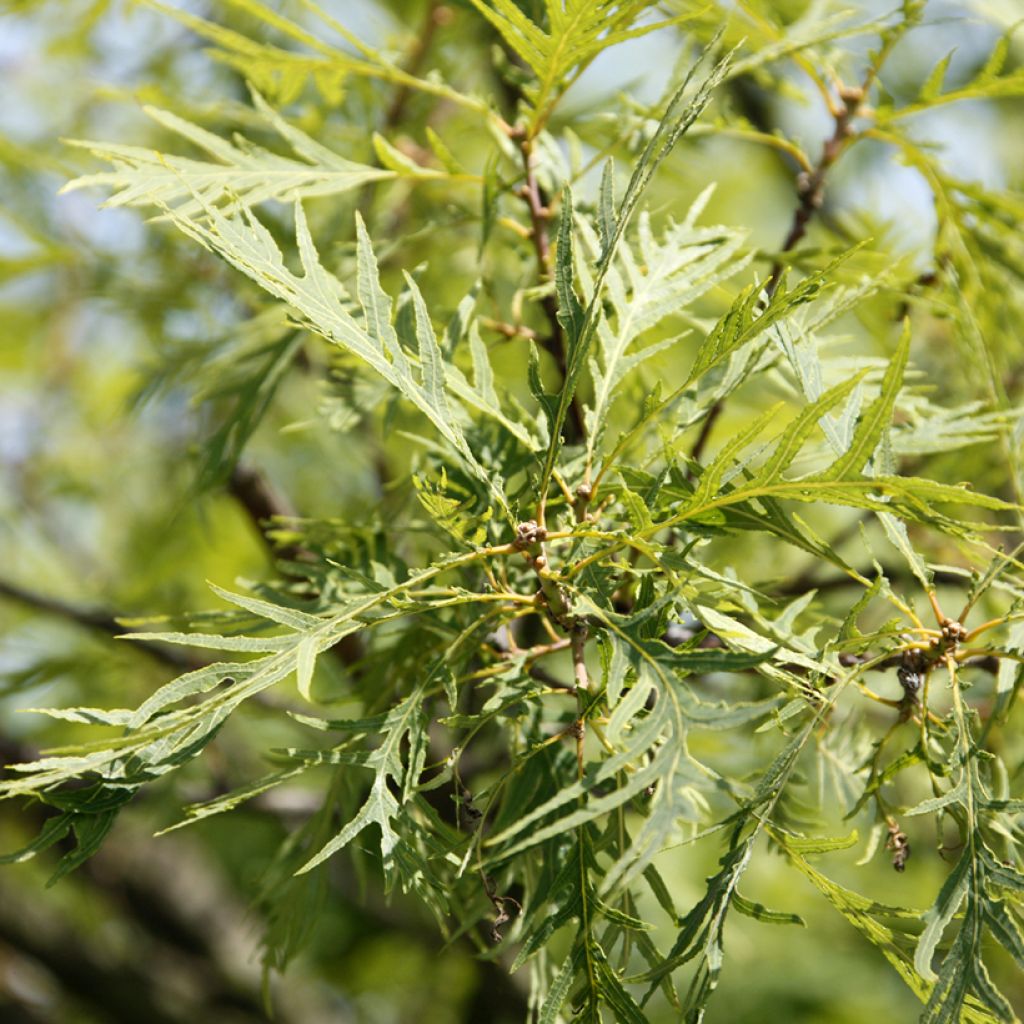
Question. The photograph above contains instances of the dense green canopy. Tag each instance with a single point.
(535, 487)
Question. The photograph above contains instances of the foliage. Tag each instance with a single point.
(506, 684)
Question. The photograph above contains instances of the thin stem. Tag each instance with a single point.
(510, 330)
(983, 628)
(984, 652)
(705, 431)
(811, 187)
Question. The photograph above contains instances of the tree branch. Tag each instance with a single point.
(94, 619)
(811, 187)
(540, 214)
(811, 195)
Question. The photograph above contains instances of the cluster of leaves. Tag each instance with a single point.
(534, 682)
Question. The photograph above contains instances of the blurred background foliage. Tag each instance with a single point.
(125, 486)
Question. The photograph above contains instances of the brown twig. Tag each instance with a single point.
(533, 670)
(811, 194)
(705, 431)
(510, 330)
(262, 504)
(811, 187)
(554, 343)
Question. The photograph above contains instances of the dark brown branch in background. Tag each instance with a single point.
(438, 16)
(90, 618)
(540, 213)
(185, 920)
(925, 280)
(261, 503)
(94, 619)
(799, 585)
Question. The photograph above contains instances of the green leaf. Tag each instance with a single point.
(897, 534)
(317, 297)
(646, 283)
(988, 83)
(789, 444)
(759, 912)
(951, 896)
(807, 846)
(405, 723)
(865, 916)
(559, 991)
(229, 801)
(305, 662)
(570, 312)
(932, 86)
(875, 419)
(283, 73)
(579, 31)
(750, 316)
(670, 129)
(243, 174)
